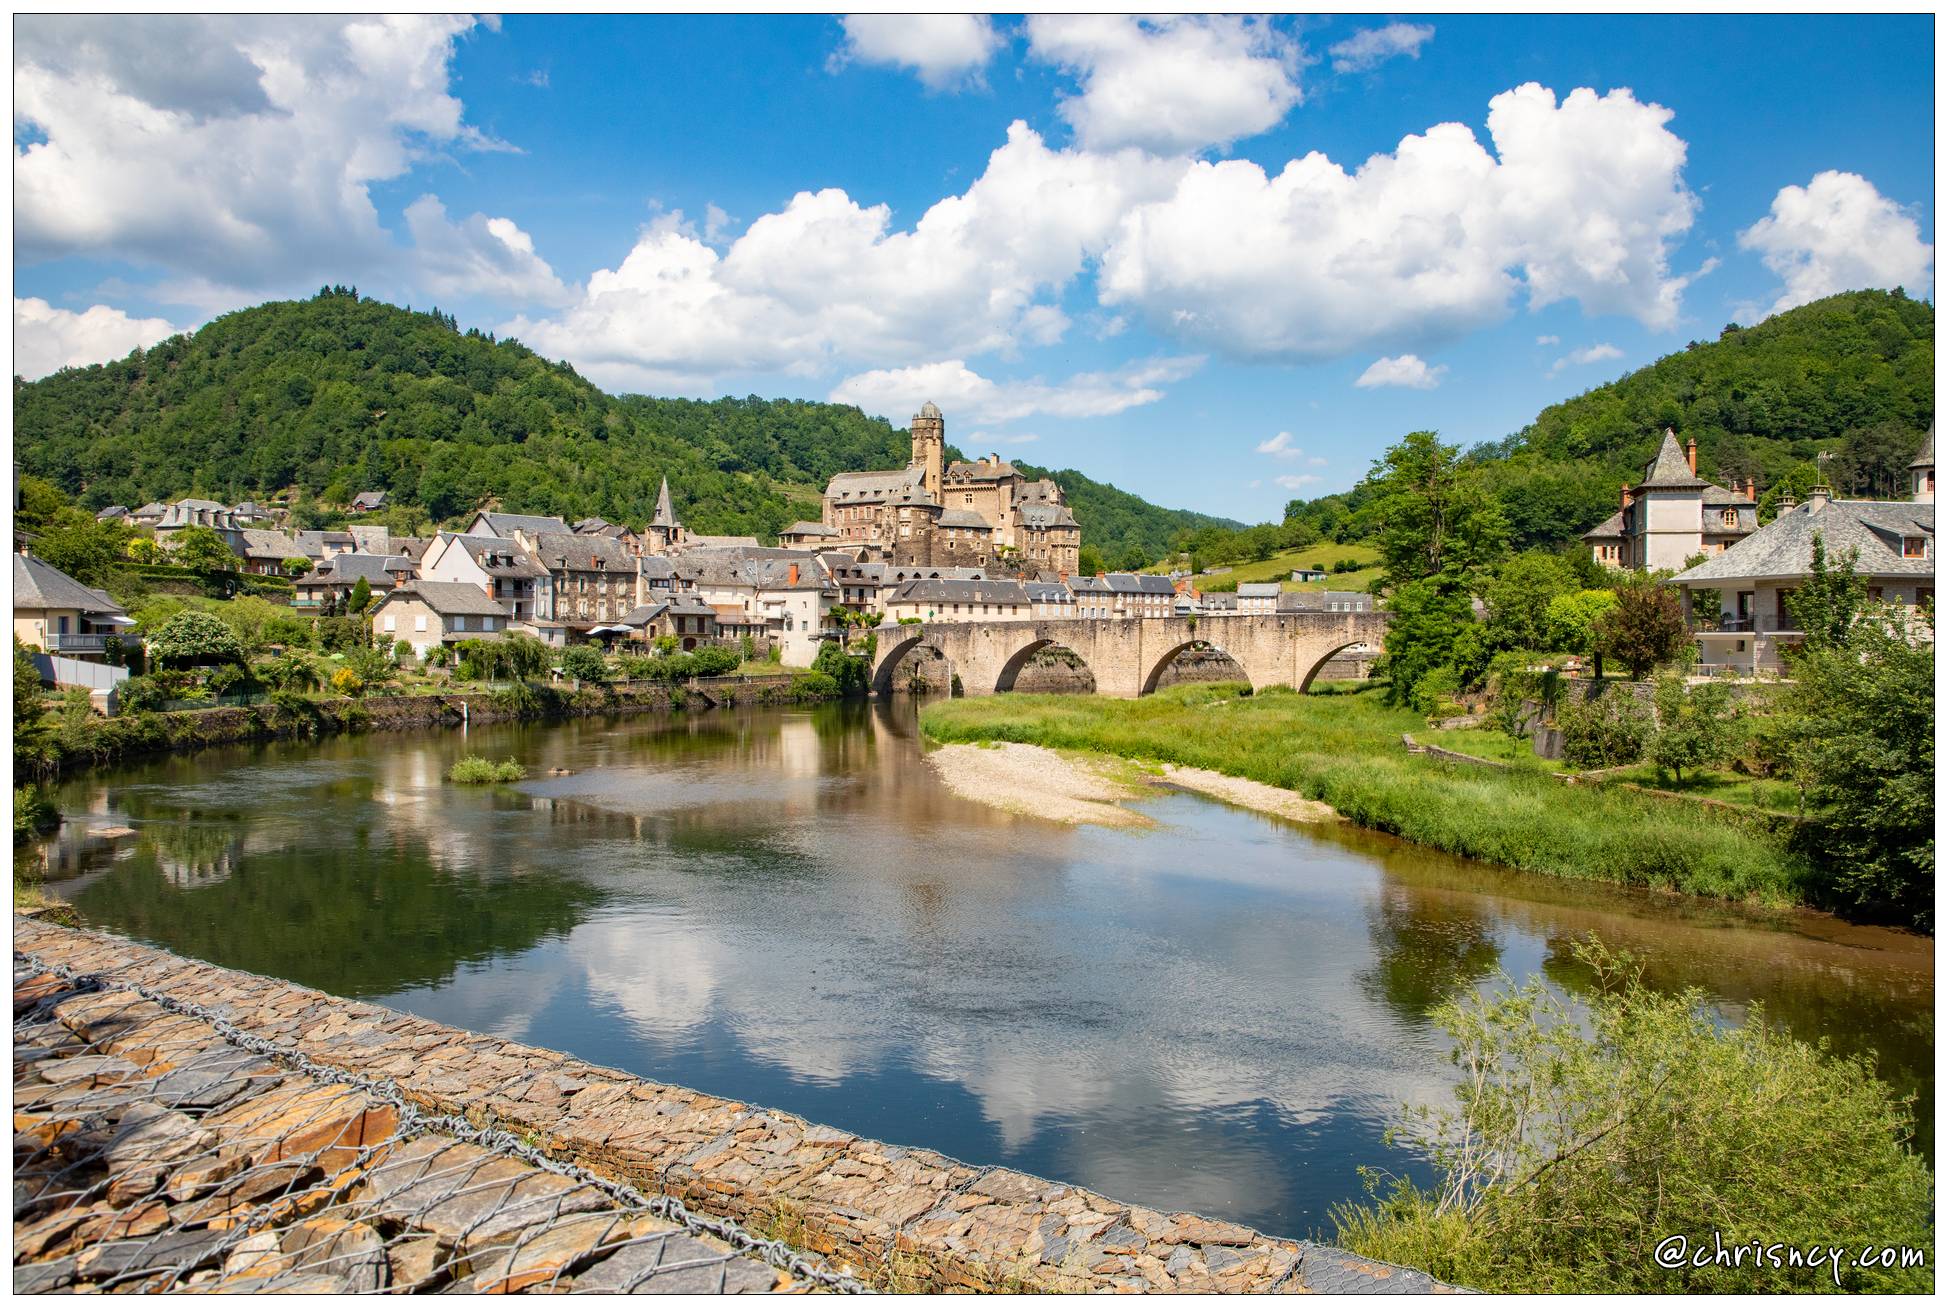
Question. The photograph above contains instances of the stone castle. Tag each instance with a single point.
(984, 514)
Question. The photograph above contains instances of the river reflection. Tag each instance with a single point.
(1222, 1013)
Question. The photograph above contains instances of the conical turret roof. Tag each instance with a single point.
(665, 516)
(1670, 470)
(1925, 459)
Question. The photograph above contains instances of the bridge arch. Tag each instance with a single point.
(1157, 669)
(1013, 665)
(1305, 682)
(891, 652)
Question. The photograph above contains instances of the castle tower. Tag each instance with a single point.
(1921, 472)
(929, 441)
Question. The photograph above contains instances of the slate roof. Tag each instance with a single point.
(40, 585)
(723, 543)
(1042, 491)
(566, 550)
(1670, 470)
(1925, 459)
(153, 509)
(689, 606)
(1047, 592)
(314, 542)
(947, 590)
(1137, 583)
(873, 487)
(346, 569)
(665, 515)
(964, 518)
(1259, 589)
(959, 471)
(111, 512)
(1783, 549)
(366, 501)
(655, 567)
(449, 598)
(775, 574)
(1046, 515)
(514, 560)
(1303, 601)
(504, 525)
(261, 544)
(809, 529)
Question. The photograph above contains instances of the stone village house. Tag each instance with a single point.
(1673, 515)
(429, 613)
(1755, 579)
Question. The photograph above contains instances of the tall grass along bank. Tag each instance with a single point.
(1344, 750)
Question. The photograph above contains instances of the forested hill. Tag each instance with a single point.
(1850, 376)
(338, 394)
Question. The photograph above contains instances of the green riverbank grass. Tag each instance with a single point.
(1344, 750)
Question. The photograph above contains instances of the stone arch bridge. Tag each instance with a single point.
(1127, 656)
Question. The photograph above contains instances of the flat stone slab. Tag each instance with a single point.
(892, 1217)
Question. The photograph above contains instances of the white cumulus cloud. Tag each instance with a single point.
(1169, 84)
(1297, 481)
(828, 281)
(1587, 355)
(488, 257)
(1839, 233)
(1582, 200)
(894, 393)
(1409, 370)
(1280, 447)
(47, 339)
(943, 50)
(237, 154)
(1375, 45)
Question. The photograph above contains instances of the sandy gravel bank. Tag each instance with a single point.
(1039, 782)
(1248, 794)
(1066, 788)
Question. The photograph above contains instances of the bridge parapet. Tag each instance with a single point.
(1127, 656)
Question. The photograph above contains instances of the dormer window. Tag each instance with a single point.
(1730, 517)
(1914, 547)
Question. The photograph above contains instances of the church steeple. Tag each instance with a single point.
(665, 516)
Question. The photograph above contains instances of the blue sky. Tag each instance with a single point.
(1087, 239)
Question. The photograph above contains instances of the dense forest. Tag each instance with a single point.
(1850, 378)
(338, 394)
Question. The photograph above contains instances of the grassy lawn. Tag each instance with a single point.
(1344, 749)
(1279, 568)
(1483, 743)
(1721, 784)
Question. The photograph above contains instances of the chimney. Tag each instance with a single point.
(1751, 488)
(1691, 454)
(1623, 495)
(1817, 497)
(1788, 502)
(791, 576)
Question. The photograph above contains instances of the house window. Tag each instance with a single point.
(392, 623)
(419, 622)
(1914, 547)
(460, 623)
(1729, 517)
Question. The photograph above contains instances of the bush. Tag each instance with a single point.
(1579, 1147)
(140, 695)
(34, 813)
(849, 672)
(814, 685)
(1606, 732)
(347, 682)
(1434, 695)
(473, 770)
(715, 662)
(193, 636)
(585, 663)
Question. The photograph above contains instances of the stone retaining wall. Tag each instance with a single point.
(900, 1218)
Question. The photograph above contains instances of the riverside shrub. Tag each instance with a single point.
(1606, 732)
(1579, 1147)
(473, 770)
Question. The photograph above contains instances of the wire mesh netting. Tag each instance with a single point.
(158, 1148)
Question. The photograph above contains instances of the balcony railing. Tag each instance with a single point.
(1762, 625)
(77, 642)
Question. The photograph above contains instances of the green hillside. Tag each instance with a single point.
(1850, 376)
(338, 394)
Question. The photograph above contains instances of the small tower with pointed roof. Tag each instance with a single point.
(929, 446)
(1921, 471)
(664, 532)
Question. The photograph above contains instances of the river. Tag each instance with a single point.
(1222, 1013)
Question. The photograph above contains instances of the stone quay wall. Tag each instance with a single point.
(897, 1218)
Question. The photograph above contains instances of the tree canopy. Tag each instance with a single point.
(337, 394)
